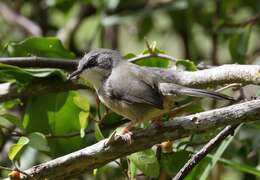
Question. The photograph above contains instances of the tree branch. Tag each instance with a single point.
(244, 74)
(97, 155)
(40, 62)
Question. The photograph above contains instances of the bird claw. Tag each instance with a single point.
(125, 136)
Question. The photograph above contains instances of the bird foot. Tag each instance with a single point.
(125, 135)
(157, 122)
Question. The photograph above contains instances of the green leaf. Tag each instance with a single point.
(153, 62)
(98, 134)
(39, 46)
(241, 167)
(186, 65)
(14, 120)
(4, 122)
(46, 72)
(173, 162)
(82, 102)
(146, 161)
(238, 45)
(55, 113)
(16, 148)
(132, 170)
(13, 73)
(150, 62)
(221, 149)
(83, 121)
(129, 56)
(38, 141)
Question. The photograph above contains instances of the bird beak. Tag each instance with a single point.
(74, 74)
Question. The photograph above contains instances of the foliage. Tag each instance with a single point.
(55, 124)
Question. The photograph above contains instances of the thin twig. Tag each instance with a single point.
(186, 169)
(229, 86)
(5, 168)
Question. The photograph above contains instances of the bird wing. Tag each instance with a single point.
(129, 86)
(174, 89)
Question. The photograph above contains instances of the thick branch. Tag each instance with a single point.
(245, 74)
(97, 155)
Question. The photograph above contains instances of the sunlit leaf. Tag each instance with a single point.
(83, 121)
(82, 102)
(153, 62)
(16, 148)
(186, 65)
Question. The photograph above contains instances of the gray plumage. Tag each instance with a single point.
(135, 92)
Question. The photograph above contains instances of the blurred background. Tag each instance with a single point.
(212, 32)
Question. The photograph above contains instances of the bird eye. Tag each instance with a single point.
(91, 62)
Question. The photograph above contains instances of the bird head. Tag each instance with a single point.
(96, 65)
(99, 61)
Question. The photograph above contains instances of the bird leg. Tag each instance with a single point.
(157, 122)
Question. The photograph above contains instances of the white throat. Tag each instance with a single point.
(94, 77)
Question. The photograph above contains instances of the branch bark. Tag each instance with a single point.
(225, 74)
(97, 155)
(40, 62)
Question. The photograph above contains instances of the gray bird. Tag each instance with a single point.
(135, 92)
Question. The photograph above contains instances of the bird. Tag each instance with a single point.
(138, 93)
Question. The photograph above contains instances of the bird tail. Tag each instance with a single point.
(174, 89)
